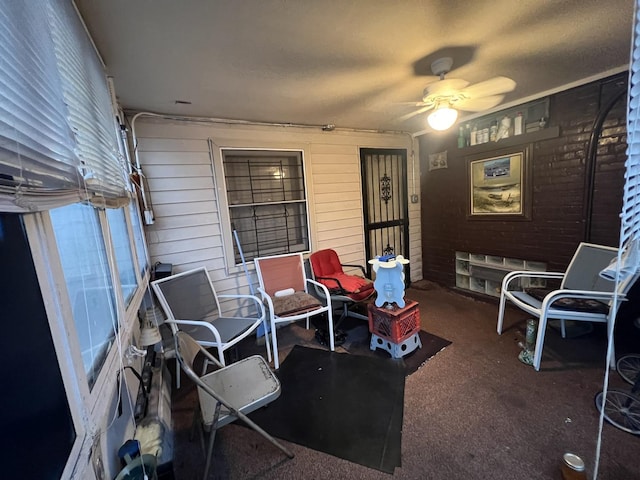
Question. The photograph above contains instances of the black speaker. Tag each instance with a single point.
(162, 270)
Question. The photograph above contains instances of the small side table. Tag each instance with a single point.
(395, 329)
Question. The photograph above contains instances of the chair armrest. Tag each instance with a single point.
(322, 287)
(256, 300)
(340, 290)
(211, 359)
(588, 294)
(364, 273)
(266, 298)
(198, 323)
(509, 277)
(556, 295)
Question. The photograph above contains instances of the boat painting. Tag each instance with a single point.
(486, 200)
(496, 185)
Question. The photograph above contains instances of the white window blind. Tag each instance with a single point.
(37, 156)
(87, 96)
(57, 133)
(628, 260)
(630, 225)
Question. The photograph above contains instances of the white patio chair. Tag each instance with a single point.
(583, 295)
(191, 304)
(284, 287)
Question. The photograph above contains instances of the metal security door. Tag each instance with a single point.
(386, 211)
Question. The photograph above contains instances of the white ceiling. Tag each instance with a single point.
(352, 63)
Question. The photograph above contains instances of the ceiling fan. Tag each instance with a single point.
(448, 95)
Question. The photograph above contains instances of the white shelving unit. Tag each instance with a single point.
(484, 273)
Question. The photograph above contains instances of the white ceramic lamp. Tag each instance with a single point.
(150, 333)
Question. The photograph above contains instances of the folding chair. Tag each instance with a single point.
(230, 393)
(284, 286)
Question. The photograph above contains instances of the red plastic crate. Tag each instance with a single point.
(395, 325)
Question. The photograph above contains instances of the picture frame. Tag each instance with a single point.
(438, 160)
(499, 185)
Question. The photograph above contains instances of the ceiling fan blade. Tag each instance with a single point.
(478, 104)
(493, 86)
(406, 104)
(414, 113)
(447, 86)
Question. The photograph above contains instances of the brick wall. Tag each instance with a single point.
(557, 185)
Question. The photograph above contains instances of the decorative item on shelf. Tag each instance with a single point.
(504, 128)
(518, 122)
(461, 139)
(493, 131)
(474, 136)
(149, 331)
(485, 135)
(525, 118)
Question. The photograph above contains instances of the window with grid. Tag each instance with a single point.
(267, 201)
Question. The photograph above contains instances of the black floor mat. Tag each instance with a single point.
(358, 340)
(349, 406)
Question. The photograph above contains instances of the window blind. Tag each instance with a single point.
(58, 141)
(37, 157)
(630, 217)
(86, 94)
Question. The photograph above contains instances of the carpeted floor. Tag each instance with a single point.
(471, 411)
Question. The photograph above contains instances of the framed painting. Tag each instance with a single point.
(498, 185)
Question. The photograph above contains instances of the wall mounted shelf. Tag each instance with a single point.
(544, 134)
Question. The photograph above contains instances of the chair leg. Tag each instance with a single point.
(343, 314)
(537, 356)
(266, 342)
(196, 420)
(610, 327)
(212, 437)
(258, 429)
(331, 331)
(274, 343)
(503, 301)
(352, 314)
(221, 355)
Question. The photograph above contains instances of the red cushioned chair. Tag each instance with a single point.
(346, 289)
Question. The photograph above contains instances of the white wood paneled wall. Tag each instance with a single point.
(189, 227)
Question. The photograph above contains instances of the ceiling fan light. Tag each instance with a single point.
(442, 118)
